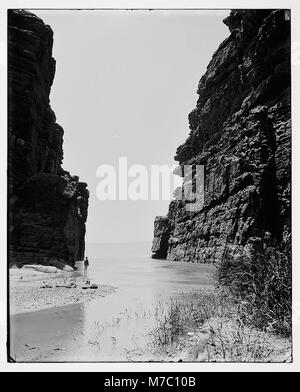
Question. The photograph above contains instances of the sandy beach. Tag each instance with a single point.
(53, 318)
(33, 289)
(63, 324)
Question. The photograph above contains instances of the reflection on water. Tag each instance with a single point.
(108, 329)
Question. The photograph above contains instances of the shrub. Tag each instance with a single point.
(175, 318)
(262, 285)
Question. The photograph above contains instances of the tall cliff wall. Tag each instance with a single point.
(240, 131)
(47, 206)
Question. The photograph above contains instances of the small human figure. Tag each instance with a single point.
(86, 264)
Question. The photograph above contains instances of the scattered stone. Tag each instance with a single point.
(46, 286)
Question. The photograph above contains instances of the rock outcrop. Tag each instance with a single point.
(240, 131)
(47, 206)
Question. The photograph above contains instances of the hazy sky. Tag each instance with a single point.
(124, 85)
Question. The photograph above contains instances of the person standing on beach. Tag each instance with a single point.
(86, 264)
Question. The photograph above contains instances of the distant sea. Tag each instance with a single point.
(118, 250)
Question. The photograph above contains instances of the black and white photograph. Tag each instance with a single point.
(149, 186)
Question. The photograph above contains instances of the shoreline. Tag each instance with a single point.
(50, 322)
(32, 291)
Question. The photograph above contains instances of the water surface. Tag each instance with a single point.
(114, 327)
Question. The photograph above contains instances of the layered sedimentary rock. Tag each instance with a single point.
(240, 131)
(47, 206)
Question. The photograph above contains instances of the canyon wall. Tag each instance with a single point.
(47, 206)
(240, 131)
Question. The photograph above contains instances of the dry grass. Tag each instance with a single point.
(247, 319)
(209, 327)
(262, 286)
(175, 318)
(232, 341)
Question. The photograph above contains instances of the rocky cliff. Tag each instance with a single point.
(47, 206)
(240, 131)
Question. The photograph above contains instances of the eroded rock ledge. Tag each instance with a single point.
(241, 131)
(47, 205)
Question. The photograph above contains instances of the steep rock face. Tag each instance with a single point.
(161, 237)
(240, 131)
(47, 206)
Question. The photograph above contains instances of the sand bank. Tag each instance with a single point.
(33, 289)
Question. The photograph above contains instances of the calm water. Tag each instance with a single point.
(111, 328)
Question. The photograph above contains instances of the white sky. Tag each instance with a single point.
(124, 85)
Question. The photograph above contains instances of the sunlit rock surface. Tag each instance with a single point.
(241, 131)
